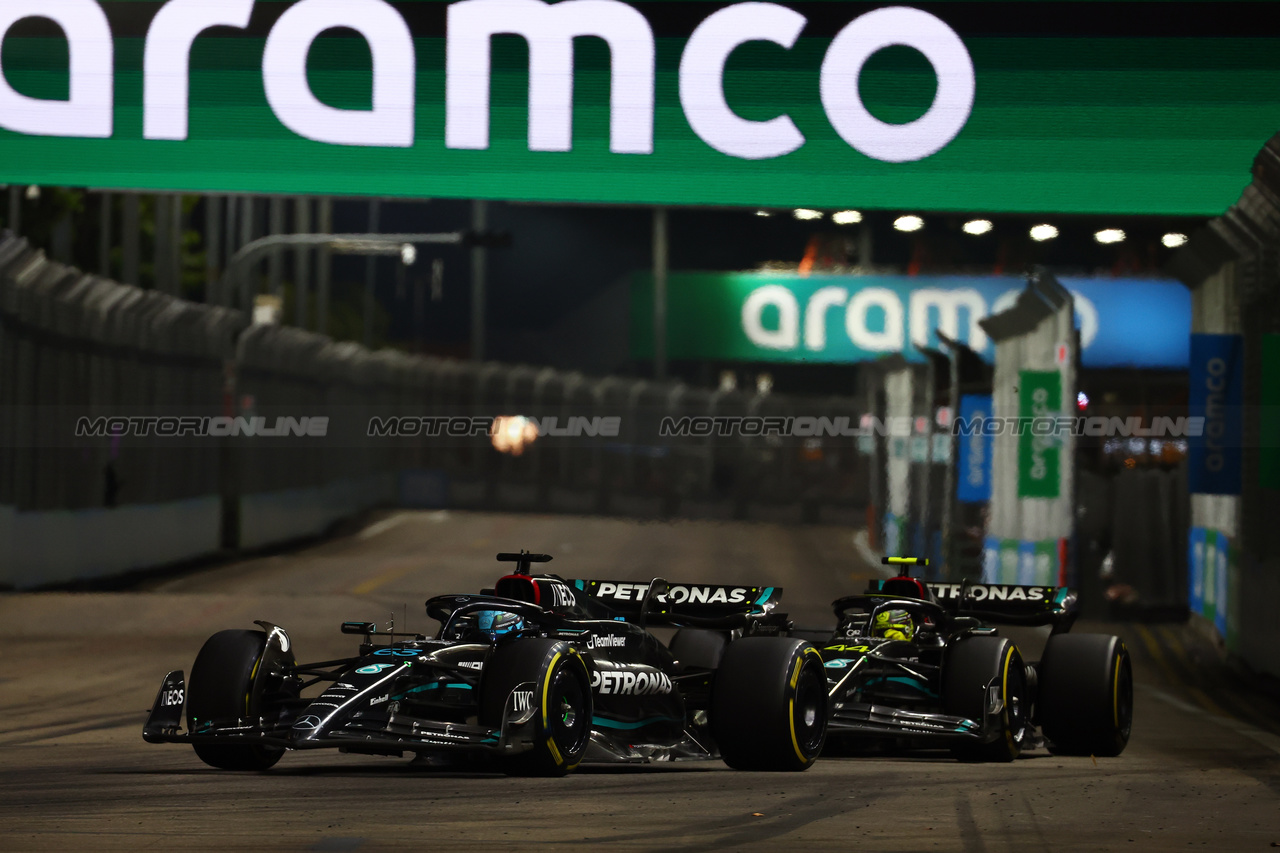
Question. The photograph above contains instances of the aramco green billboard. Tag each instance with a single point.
(1010, 106)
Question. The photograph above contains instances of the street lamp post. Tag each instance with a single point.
(233, 277)
(403, 245)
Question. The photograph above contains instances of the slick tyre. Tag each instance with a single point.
(972, 665)
(561, 696)
(228, 682)
(1085, 706)
(769, 704)
(698, 648)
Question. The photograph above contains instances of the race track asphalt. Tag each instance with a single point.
(78, 671)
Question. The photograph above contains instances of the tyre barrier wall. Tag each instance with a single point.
(79, 508)
(1232, 267)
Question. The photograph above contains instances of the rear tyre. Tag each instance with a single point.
(698, 648)
(1085, 706)
(227, 684)
(562, 697)
(972, 665)
(769, 704)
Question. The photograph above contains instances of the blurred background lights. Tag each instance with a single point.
(846, 217)
(805, 213)
(1040, 233)
(1173, 240)
(977, 226)
(764, 213)
(1109, 235)
(908, 223)
(511, 433)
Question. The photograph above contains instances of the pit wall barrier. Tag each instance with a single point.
(1232, 267)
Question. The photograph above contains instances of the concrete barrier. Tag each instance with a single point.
(270, 518)
(43, 548)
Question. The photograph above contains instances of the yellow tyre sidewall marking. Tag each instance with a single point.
(546, 717)
(1115, 687)
(249, 687)
(1008, 717)
(791, 703)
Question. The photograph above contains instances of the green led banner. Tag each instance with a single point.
(1039, 396)
(843, 319)
(967, 106)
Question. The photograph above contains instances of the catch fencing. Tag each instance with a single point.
(76, 504)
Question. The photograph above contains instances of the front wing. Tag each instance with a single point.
(886, 721)
(385, 734)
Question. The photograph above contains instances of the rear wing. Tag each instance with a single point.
(708, 605)
(1010, 604)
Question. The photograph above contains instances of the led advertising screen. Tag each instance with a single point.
(842, 319)
(1141, 107)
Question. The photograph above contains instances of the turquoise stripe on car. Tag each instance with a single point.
(606, 723)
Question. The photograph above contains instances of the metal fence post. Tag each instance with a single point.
(104, 235)
(324, 212)
(275, 263)
(479, 213)
(660, 260)
(162, 245)
(212, 248)
(370, 275)
(15, 209)
(301, 260)
(247, 285)
(130, 238)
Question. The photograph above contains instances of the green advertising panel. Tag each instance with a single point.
(1015, 106)
(841, 319)
(1039, 472)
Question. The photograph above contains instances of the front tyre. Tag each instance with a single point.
(231, 680)
(562, 696)
(1085, 706)
(973, 665)
(769, 704)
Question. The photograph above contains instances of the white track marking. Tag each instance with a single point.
(1267, 739)
(381, 527)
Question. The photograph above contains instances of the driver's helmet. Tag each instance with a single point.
(894, 625)
(494, 623)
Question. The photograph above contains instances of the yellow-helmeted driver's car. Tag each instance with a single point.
(921, 662)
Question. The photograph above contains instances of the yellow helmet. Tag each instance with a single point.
(894, 625)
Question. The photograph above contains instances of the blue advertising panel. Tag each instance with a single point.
(1195, 570)
(973, 468)
(1221, 583)
(1217, 393)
